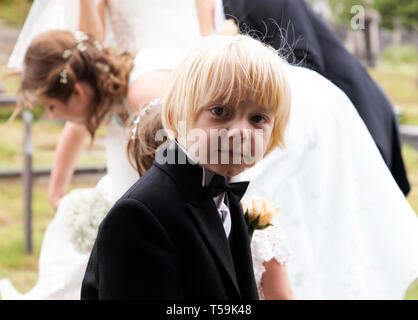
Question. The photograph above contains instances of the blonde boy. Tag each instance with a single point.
(179, 232)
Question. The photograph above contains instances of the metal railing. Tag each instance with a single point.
(28, 173)
(409, 134)
(27, 179)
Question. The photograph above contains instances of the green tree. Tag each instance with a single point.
(404, 10)
(342, 9)
(390, 10)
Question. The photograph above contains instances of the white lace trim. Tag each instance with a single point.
(268, 244)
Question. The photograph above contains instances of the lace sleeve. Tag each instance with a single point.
(265, 245)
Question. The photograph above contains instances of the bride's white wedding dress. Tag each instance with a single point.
(69, 237)
(353, 233)
(129, 24)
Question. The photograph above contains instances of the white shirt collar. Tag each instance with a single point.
(207, 174)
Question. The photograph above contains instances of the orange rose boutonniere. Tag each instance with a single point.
(259, 214)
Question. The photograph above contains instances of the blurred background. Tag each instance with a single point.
(387, 47)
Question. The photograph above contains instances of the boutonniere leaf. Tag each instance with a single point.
(258, 214)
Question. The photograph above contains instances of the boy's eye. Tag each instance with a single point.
(258, 119)
(51, 107)
(219, 111)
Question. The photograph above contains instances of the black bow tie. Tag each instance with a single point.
(218, 185)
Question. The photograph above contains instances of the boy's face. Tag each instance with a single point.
(228, 139)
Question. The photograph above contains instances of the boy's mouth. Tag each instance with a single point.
(232, 153)
(241, 157)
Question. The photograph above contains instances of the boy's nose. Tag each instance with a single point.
(240, 129)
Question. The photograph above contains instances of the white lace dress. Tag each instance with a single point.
(267, 244)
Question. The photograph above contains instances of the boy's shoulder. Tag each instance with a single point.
(154, 187)
(155, 192)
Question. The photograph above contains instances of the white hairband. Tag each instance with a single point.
(143, 113)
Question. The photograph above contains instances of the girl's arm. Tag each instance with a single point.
(69, 146)
(205, 13)
(73, 135)
(275, 282)
(92, 18)
(271, 250)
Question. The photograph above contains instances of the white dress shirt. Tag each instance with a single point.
(219, 202)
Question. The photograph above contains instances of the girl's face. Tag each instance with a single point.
(75, 109)
(229, 138)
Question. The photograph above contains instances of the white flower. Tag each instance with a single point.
(85, 209)
(106, 68)
(63, 76)
(81, 47)
(80, 36)
(98, 45)
(66, 54)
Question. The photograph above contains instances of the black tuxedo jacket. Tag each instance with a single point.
(164, 239)
(317, 47)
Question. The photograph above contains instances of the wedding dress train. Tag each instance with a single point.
(353, 233)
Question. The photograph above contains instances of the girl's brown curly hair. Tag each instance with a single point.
(106, 71)
(144, 142)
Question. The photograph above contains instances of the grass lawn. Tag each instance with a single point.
(15, 264)
(10, 82)
(44, 137)
(14, 12)
(400, 82)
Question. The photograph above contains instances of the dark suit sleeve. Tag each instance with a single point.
(135, 257)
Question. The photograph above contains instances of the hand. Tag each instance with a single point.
(229, 28)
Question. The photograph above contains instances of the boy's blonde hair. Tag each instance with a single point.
(228, 70)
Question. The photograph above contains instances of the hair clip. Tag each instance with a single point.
(133, 136)
(98, 45)
(142, 114)
(80, 36)
(106, 68)
(66, 54)
(63, 76)
(81, 47)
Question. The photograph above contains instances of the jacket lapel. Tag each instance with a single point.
(210, 227)
(202, 210)
(241, 251)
